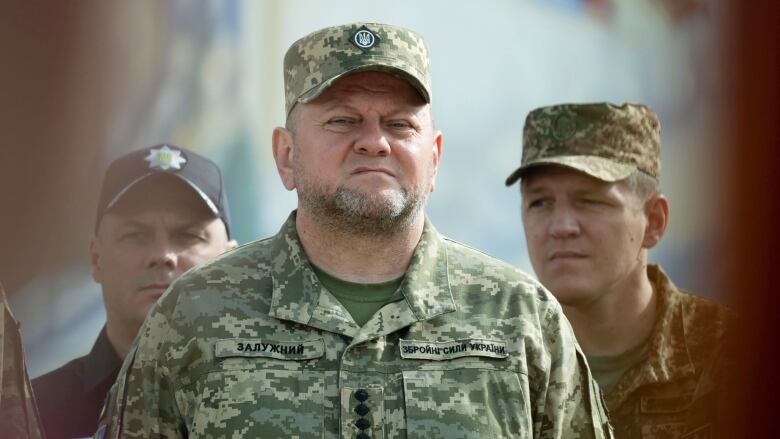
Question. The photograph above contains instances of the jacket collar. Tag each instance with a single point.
(298, 295)
(668, 356)
(101, 363)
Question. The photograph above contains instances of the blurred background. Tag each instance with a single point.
(84, 82)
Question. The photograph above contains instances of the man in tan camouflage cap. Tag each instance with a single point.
(357, 320)
(591, 210)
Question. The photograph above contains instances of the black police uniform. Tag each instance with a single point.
(70, 398)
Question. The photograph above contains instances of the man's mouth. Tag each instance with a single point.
(155, 288)
(566, 255)
(365, 170)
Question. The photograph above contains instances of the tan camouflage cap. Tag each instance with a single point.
(317, 60)
(604, 140)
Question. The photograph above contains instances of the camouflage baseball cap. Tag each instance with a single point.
(317, 60)
(606, 141)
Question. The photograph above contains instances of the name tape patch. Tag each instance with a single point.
(447, 350)
(282, 350)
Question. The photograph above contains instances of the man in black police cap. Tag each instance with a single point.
(162, 210)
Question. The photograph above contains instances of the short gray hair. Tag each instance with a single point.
(643, 185)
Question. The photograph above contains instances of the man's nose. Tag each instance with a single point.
(564, 224)
(162, 255)
(372, 140)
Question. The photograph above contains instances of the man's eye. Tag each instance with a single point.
(399, 125)
(131, 237)
(593, 202)
(191, 237)
(537, 203)
(341, 121)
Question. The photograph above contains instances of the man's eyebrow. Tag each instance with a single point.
(533, 188)
(591, 191)
(131, 223)
(330, 103)
(188, 225)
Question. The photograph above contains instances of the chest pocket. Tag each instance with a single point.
(464, 403)
(261, 393)
(664, 416)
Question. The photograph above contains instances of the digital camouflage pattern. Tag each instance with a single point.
(315, 61)
(18, 413)
(672, 393)
(251, 345)
(606, 141)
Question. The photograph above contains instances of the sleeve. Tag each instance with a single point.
(142, 402)
(568, 403)
(18, 415)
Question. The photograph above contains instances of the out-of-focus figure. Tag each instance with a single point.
(18, 413)
(162, 211)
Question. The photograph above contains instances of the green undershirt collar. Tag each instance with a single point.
(607, 370)
(361, 300)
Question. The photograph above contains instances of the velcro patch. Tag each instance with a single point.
(447, 350)
(282, 350)
(664, 404)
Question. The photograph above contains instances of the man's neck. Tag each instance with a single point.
(619, 320)
(120, 337)
(359, 258)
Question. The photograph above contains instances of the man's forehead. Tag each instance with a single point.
(370, 82)
(161, 194)
(548, 176)
(150, 217)
(147, 219)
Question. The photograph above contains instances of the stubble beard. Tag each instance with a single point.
(355, 212)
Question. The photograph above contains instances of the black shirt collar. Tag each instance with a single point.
(101, 363)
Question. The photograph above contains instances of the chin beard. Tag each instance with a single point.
(358, 213)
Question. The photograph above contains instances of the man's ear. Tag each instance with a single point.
(657, 211)
(282, 144)
(438, 139)
(231, 245)
(94, 258)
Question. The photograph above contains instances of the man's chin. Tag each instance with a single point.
(570, 295)
(146, 301)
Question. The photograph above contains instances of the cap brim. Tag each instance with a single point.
(312, 93)
(206, 200)
(597, 167)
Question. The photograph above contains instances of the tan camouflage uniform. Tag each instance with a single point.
(18, 413)
(673, 392)
(655, 398)
(251, 345)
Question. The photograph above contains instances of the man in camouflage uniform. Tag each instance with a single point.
(357, 320)
(591, 211)
(18, 414)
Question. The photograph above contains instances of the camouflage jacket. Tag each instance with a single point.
(18, 413)
(670, 394)
(251, 345)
